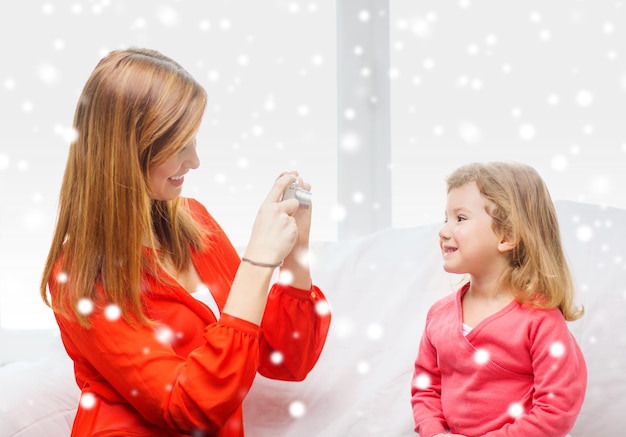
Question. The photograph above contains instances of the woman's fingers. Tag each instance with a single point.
(275, 230)
(280, 185)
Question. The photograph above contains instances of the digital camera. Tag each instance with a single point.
(303, 196)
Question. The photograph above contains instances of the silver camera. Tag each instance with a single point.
(303, 196)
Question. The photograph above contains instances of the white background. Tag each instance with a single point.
(538, 82)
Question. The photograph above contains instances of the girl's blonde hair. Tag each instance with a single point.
(522, 209)
(137, 109)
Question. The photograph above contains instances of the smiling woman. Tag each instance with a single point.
(265, 114)
(136, 113)
(154, 306)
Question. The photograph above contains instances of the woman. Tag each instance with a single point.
(166, 327)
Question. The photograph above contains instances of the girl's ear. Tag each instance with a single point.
(506, 244)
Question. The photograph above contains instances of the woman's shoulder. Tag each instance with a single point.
(194, 206)
(199, 212)
(213, 232)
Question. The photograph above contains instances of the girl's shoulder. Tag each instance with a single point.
(452, 298)
(447, 302)
(540, 321)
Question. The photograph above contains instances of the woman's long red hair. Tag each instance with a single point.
(137, 109)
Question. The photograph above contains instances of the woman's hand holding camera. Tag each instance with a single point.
(275, 230)
(280, 233)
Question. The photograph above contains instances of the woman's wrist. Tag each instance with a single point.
(261, 264)
(295, 270)
(248, 293)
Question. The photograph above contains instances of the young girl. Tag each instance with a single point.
(166, 325)
(496, 358)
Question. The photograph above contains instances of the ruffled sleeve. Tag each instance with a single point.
(295, 323)
(293, 331)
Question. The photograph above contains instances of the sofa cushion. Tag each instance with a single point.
(38, 398)
(380, 287)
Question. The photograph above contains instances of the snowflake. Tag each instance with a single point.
(584, 98)
(164, 334)
(112, 312)
(87, 401)
(375, 331)
(338, 213)
(85, 306)
(422, 381)
(286, 277)
(350, 142)
(168, 16)
(297, 409)
(559, 162)
(516, 410)
(557, 349)
(363, 367)
(276, 358)
(322, 308)
(584, 233)
(62, 278)
(481, 356)
(527, 132)
(344, 328)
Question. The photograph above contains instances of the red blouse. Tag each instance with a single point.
(189, 375)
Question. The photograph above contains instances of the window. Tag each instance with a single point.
(270, 74)
(374, 102)
(539, 82)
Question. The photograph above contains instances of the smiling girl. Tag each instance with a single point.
(496, 358)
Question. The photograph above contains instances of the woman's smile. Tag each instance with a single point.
(177, 181)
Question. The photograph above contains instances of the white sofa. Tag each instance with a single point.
(380, 287)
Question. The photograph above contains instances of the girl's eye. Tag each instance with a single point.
(460, 218)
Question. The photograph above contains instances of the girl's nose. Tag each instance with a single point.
(444, 233)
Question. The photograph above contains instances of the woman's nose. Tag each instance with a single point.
(193, 161)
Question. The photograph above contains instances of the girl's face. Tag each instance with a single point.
(166, 179)
(467, 240)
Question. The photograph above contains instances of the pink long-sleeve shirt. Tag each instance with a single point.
(519, 372)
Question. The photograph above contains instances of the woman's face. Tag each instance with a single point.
(166, 179)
